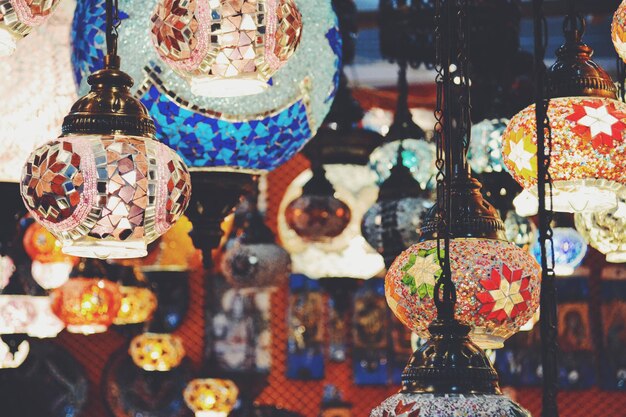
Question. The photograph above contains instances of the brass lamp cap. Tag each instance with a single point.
(109, 108)
(574, 73)
(449, 363)
(472, 215)
(342, 146)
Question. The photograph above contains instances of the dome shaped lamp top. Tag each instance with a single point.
(105, 188)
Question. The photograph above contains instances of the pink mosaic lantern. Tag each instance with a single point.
(226, 47)
(106, 188)
(618, 30)
(19, 17)
(497, 287)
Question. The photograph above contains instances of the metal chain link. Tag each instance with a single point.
(548, 305)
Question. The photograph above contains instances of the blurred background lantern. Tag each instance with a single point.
(26, 314)
(211, 397)
(235, 51)
(174, 251)
(18, 20)
(14, 350)
(50, 266)
(157, 351)
(138, 302)
(47, 92)
(587, 125)
(88, 302)
(317, 215)
(569, 248)
(255, 260)
(485, 149)
(606, 230)
(618, 30)
(392, 224)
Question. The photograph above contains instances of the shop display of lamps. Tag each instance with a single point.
(87, 303)
(19, 18)
(588, 123)
(106, 188)
(226, 48)
(606, 230)
(255, 260)
(211, 397)
(569, 249)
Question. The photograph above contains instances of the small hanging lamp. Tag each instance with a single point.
(87, 303)
(211, 397)
(225, 48)
(587, 131)
(106, 188)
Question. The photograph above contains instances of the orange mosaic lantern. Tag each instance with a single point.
(137, 305)
(87, 305)
(157, 351)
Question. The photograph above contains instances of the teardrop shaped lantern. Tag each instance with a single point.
(105, 188)
(225, 48)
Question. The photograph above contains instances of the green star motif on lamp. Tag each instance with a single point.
(421, 272)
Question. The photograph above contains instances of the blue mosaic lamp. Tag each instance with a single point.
(241, 134)
(224, 141)
(570, 249)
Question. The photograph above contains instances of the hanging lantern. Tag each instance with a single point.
(587, 126)
(38, 99)
(569, 249)
(7, 268)
(13, 351)
(348, 254)
(105, 188)
(606, 231)
(157, 351)
(87, 303)
(317, 215)
(485, 149)
(136, 306)
(392, 224)
(618, 29)
(234, 134)
(255, 260)
(519, 230)
(18, 18)
(30, 315)
(211, 397)
(50, 266)
(225, 48)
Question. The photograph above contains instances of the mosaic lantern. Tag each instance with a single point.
(136, 306)
(225, 133)
(225, 48)
(618, 29)
(485, 149)
(50, 266)
(588, 152)
(318, 215)
(30, 315)
(38, 99)
(569, 248)
(7, 268)
(211, 397)
(87, 303)
(519, 230)
(157, 351)
(18, 18)
(587, 126)
(606, 231)
(255, 260)
(348, 254)
(497, 287)
(13, 353)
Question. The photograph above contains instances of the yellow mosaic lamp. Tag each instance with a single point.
(211, 397)
(157, 351)
(137, 305)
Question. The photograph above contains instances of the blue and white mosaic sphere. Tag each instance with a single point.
(250, 133)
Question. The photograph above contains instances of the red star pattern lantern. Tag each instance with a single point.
(507, 294)
(588, 152)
